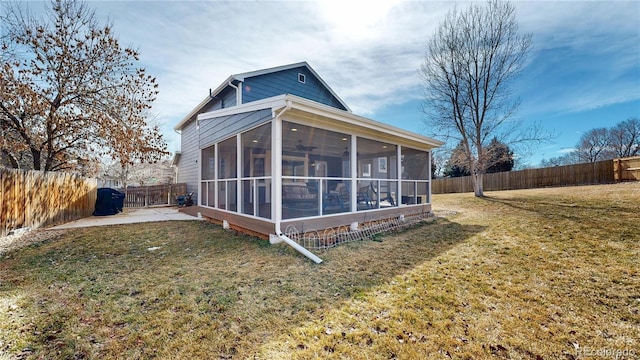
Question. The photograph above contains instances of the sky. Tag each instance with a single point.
(583, 71)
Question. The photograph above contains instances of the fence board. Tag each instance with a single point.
(34, 198)
(601, 172)
(627, 169)
(153, 195)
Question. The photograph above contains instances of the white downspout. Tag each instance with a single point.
(399, 175)
(277, 185)
(238, 93)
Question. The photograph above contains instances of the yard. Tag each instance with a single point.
(539, 274)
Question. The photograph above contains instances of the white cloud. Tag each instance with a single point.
(566, 150)
(354, 20)
(368, 54)
(585, 56)
(585, 53)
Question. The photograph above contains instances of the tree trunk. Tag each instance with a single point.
(36, 158)
(478, 185)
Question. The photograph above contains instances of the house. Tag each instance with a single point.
(278, 154)
(113, 175)
(108, 181)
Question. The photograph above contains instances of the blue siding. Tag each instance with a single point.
(286, 82)
(216, 129)
(228, 96)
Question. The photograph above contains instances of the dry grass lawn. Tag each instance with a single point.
(535, 274)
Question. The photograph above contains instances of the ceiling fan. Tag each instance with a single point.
(301, 147)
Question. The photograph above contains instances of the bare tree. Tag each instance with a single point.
(625, 138)
(594, 145)
(469, 65)
(569, 158)
(70, 93)
(622, 140)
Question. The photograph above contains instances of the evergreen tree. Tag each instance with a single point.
(500, 157)
(456, 166)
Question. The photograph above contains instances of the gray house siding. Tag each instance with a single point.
(188, 166)
(191, 135)
(220, 128)
(211, 131)
(286, 82)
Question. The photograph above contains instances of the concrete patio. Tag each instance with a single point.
(131, 216)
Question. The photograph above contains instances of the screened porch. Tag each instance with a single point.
(321, 171)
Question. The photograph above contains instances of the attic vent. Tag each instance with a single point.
(301, 78)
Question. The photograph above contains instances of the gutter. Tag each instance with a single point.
(238, 94)
(279, 236)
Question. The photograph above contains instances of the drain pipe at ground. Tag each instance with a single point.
(279, 236)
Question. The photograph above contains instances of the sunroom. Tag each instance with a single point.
(290, 163)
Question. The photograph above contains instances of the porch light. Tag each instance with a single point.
(294, 129)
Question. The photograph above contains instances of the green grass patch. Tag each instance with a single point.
(520, 274)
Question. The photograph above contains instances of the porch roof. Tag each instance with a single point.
(329, 117)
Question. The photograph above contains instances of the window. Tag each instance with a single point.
(302, 78)
(366, 170)
(315, 165)
(304, 147)
(255, 188)
(376, 159)
(256, 152)
(415, 164)
(415, 167)
(208, 163)
(208, 168)
(228, 171)
(227, 157)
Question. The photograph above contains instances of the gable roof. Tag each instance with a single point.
(241, 77)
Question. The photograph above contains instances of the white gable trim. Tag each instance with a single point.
(249, 74)
(268, 103)
(312, 107)
(203, 103)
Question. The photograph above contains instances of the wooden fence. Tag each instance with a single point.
(32, 199)
(601, 172)
(153, 195)
(627, 169)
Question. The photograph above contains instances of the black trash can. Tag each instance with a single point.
(108, 202)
